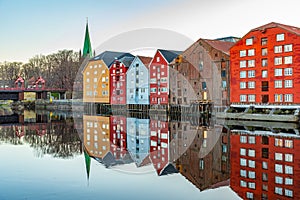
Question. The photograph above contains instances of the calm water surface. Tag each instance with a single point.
(53, 156)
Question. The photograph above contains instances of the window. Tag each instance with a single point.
(264, 62)
(249, 41)
(243, 173)
(153, 90)
(251, 153)
(242, 152)
(251, 84)
(278, 180)
(242, 85)
(243, 183)
(264, 51)
(288, 83)
(264, 176)
(249, 195)
(157, 59)
(288, 143)
(251, 74)
(251, 139)
(288, 193)
(251, 52)
(243, 139)
(264, 165)
(278, 142)
(224, 84)
(243, 162)
(278, 72)
(243, 53)
(243, 98)
(251, 174)
(153, 80)
(203, 85)
(265, 153)
(277, 49)
(278, 97)
(264, 41)
(278, 168)
(242, 74)
(278, 61)
(278, 156)
(288, 181)
(223, 72)
(251, 163)
(251, 97)
(288, 98)
(278, 190)
(278, 84)
(264, 73)
(251, 185)
(251, 63)
(288, 169)
(288, 59)
(280, 37)
(242, 63)
(288, 157)
(288, 71)
(288, 48)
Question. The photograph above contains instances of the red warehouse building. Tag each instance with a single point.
(265, 66)
(159, 76)
(118, 80)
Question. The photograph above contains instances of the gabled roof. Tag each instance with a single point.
(169, 55)
(292, 29)
(220, 45)
(126, 60)
(168, 169)
(109, 57)
(145, 60)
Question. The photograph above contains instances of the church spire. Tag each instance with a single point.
(87, 48)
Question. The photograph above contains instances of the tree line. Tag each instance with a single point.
(58, 70)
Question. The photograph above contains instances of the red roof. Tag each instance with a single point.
(145, 60)
(220, 45)
(292, 29)
(19, 79)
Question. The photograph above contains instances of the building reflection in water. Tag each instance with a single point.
(45, 132)
(198, 151)
(264, 164)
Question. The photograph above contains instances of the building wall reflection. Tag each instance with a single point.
(264, 164)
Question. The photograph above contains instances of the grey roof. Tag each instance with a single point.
(126, 60)
(169, 169)
(169, 55)
(108, 57)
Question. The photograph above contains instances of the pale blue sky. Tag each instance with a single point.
(31, 27)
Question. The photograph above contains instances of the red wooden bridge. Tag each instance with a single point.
(16, 93)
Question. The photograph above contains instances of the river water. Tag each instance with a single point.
(57, 155)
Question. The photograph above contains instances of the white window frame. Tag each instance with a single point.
(288, 157)
(243, 63)
(278, 72)
(288, 59)
(264, 73)
(251, 52)
(278, 49)
(288, 48)
(249, 41)
(288, 98)
(251, 84)
(280, 37)
(242, 85)
(242, 151)
(288, 83)
(243, 74)
(251, 74)
(243, 53)
(251, 98)
(278, 97)
(278, 156)
(288, 71)
(243, 98)
(277, 60)
(278, 83)
(243, 173)
(251, 63)
(251, 152)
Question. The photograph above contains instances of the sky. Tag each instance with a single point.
(34, 27)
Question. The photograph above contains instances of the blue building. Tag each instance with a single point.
(138, 81)
(138, 140)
